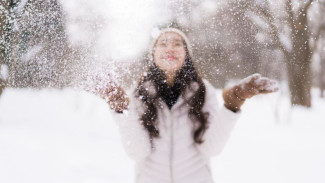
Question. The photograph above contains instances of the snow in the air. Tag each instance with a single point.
(68, 135)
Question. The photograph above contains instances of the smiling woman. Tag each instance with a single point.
(169, 53)
(172, 124)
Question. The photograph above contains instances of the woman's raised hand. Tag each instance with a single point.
(116, 97)
(253, 85)
(111, 92)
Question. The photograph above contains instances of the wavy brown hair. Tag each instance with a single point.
(184, 77)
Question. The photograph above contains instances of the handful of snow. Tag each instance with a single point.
(254, 85)
(262, 83)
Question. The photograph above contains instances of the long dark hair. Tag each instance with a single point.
(186, 78)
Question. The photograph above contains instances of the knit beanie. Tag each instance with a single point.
(156, 34)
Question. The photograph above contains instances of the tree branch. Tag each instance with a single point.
(291, 18)
(307, 5)
(274, 30)
(320, 30)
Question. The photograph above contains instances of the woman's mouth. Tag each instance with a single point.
(171, 57)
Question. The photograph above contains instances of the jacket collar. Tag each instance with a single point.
(190, 91)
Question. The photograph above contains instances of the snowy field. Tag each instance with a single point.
(67, 136)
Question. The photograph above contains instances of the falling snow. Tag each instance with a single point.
(52, 51)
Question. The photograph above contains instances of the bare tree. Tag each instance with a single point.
(298, 57)
(4, 14)
(322, 71)
(38, 52)
(321, 35)
(9, 37)
(224, 43)
(3, 8)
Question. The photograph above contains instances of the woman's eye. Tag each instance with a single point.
(162, 44)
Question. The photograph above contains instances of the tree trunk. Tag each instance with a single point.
(299, 62)
(322, 75)
(299, 77)
(3, 19)
(10, 41)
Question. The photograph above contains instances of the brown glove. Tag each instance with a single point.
(116, 98)
(111, 92)
(235, 96)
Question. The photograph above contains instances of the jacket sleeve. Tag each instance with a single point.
(221, 121)
(135, 138)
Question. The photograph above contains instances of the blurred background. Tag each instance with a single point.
(50, 48)
(55, 43)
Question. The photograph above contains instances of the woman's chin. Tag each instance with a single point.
(171, 68)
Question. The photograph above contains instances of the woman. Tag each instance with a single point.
(172, 123)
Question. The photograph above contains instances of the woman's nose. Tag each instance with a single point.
(170, 48)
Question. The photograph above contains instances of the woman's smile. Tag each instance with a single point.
(169, 53)
(171, 57)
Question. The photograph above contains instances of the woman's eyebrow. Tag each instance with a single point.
(178, 40)
(171, 40)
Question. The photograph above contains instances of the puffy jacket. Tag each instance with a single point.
(174, 157)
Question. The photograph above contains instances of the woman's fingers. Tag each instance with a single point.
(254, 77)
(266, 85)
(255, 84)
(120, 105)
(249, 81)
(118, 100)
(102, 85)
(247, 87)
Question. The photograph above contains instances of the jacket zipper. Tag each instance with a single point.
(171, 148)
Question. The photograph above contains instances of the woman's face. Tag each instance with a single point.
(169, 52)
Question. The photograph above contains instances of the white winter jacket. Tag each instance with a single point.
(175, 157)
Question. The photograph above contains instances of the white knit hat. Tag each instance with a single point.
(157, 33)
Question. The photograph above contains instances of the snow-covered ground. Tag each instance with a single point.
(67, 136)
